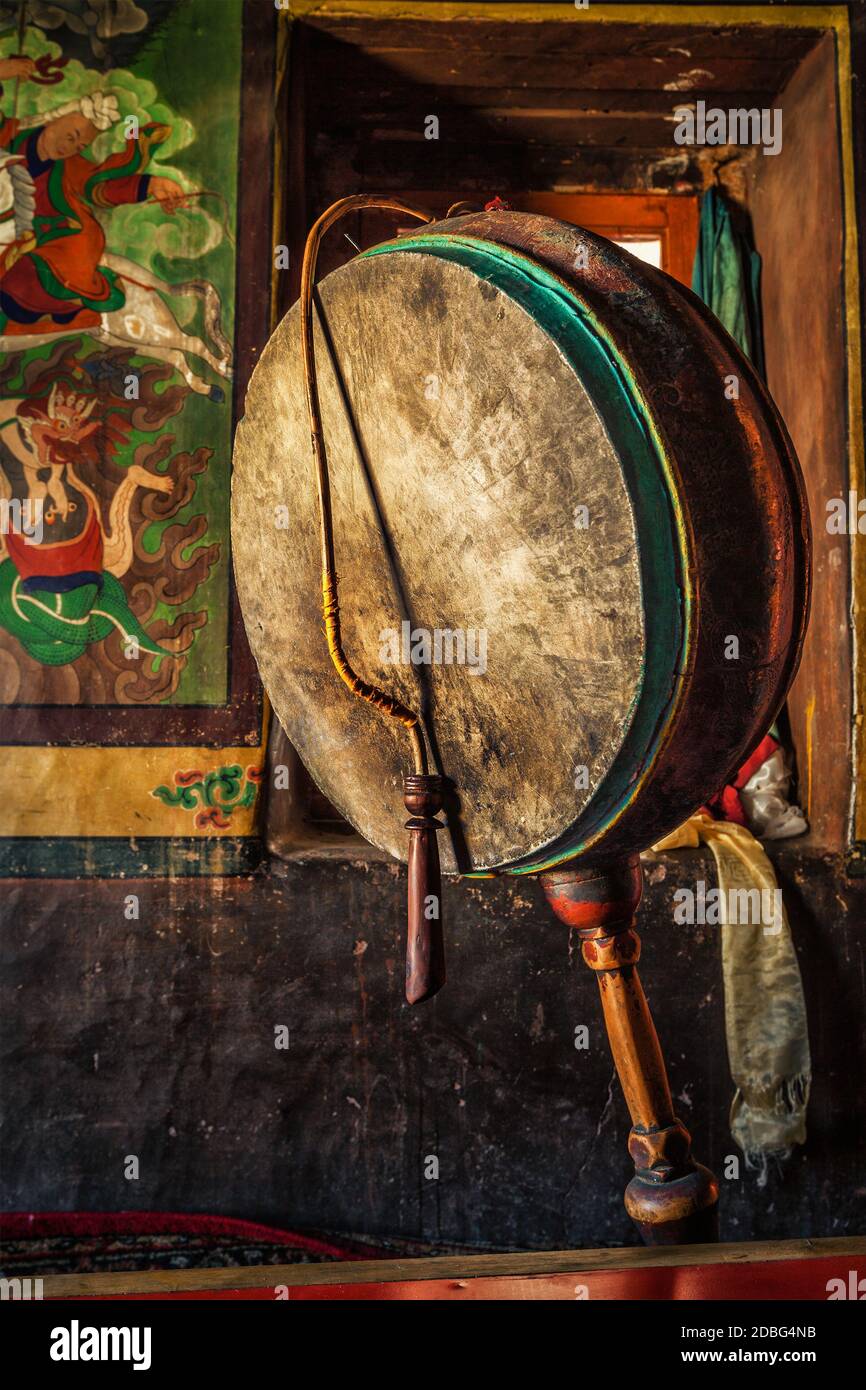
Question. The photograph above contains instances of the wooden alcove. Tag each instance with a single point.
(569, 111)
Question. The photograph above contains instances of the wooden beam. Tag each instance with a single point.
(344, 68)
(365, 107)
(526, 12)
(573, 35)
(449, 1267)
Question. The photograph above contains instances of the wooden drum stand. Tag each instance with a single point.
(672, 1199)
(481, 382)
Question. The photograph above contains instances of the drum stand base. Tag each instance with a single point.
(672, 1199)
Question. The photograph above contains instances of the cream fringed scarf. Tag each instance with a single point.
(765, 1011)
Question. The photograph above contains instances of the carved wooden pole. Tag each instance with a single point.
(671, 1199)
(425, 944)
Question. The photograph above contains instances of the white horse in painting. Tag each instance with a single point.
(145, 323)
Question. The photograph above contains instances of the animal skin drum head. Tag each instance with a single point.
(506, 509)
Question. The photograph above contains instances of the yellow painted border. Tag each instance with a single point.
(856, 458)
(832, 18)
(95, 792)
(445, 11)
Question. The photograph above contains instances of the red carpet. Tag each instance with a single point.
(63, 1242)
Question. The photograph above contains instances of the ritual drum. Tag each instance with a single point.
(570, 532)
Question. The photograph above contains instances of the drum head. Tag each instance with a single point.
(491, 474)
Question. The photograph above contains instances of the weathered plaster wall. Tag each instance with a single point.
(156, 1037)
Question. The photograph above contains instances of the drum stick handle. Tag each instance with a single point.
(425, 945)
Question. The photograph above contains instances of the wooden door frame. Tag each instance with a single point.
(672, 217)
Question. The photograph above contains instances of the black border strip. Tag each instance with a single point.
(117, 857)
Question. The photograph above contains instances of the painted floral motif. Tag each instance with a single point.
(214, 796)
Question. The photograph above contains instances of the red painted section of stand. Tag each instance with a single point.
(788, 1280)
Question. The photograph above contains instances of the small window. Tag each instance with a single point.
(659, 228)
(647, 249)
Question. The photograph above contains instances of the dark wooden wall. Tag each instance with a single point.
(799, 227)
(156, 1038)
(561, 105)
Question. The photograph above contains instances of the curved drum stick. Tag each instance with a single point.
(425, 951)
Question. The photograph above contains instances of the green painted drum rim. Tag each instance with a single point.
(661, 527)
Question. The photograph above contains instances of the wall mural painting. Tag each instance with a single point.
(116, 277)
(120, 648)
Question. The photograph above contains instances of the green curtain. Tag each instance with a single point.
(727, 276)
